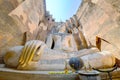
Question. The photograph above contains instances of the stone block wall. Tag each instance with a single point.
(32, 14)
(10, 32)
(101, 18)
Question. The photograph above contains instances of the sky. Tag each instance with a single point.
(62, 9)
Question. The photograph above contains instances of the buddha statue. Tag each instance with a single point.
(52, 55)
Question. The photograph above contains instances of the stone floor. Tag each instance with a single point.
(11, 74)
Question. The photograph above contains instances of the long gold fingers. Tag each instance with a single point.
(28, 52)
(32, 52)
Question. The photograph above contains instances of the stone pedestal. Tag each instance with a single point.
(89, 75)
(12, 74)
